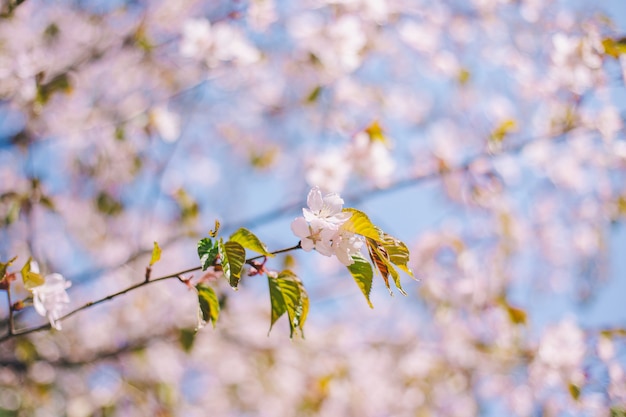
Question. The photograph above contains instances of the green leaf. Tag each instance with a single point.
(208, 303)
(47, 202)
(5, 265)
(287, 295)
(303, 309)
(108, 205)
(363, 274)
(314, 94)
(618, 411)
(248, 240)
(13, 213)
(187, 337)
(233, 257)
(207, 251)
(360, 224)
(31, 279)
(277, 301)
(60, 83)
(156, 254)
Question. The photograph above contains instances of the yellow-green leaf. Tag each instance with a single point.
(375, 132)
(314, 94)
(464, 76)
(156, 254)
(60, 83)
(216, 229)
(396, 279)
(208, 304)
(614, 47)
(398, 252)
(248, 240)
(277, 300)
(618, 411)
(233, 258)
(302, 309)
(187, 337)
(187, 205)
(517, 315)
(360, 224)
(31, 279)
(574, 391)
(363, 274)
(618, 332)
(287, 295)
(502, 130)
(5, 265)
(380, 258)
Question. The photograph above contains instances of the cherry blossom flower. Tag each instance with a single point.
(346, 244)
(327, 208)
(197, 38)
(167, 123)
(319, 229)
(315, 235)
(329, 169)
(50, 298)
(220, 42)
(372, 159)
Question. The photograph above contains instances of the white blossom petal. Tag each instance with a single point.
(50, 298)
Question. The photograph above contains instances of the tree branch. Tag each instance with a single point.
(11, 322)
(13, 333)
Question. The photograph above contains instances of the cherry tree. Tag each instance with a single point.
(275, 170)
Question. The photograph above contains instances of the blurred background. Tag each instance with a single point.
(488, 135)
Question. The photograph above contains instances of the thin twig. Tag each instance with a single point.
(11, 321)
(296, 247)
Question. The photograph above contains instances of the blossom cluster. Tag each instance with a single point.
(364, 156)
(320, 228)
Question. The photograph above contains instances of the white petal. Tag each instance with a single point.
(333, 203)
(300, 228)
(307, 245)
(344, 257)
(314, 199)
(324, 247)
(38, 304)
(309, 215)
